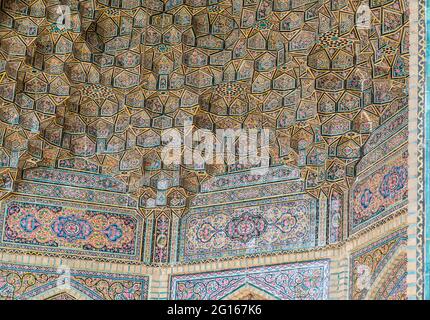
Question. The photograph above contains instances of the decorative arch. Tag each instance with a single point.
(248, 292)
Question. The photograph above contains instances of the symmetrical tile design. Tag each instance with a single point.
(23, 282)
(264, 226)
(297, 281)
(55, 226)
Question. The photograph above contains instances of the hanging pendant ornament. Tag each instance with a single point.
(363, 16)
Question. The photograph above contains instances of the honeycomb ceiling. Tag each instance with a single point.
(96, 96)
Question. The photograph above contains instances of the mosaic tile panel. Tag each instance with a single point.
(74, 194)
(245, 194)
(384, 149)
(246, 179)
(379, 192)
(60, 227)
(266, 226)
(23, 282)
(296, 281)
(76, 179)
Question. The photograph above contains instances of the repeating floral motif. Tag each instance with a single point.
(244, 194)
(76, 194)
(382, 150)
(385, 131)
(262, 227)
(244, 228)
(296, 281)
(78, 179)
(61, 228)
(22, 282)
(161, 239)
(244, 179)
(379, 192)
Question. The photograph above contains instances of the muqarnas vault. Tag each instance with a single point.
(88, 88)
